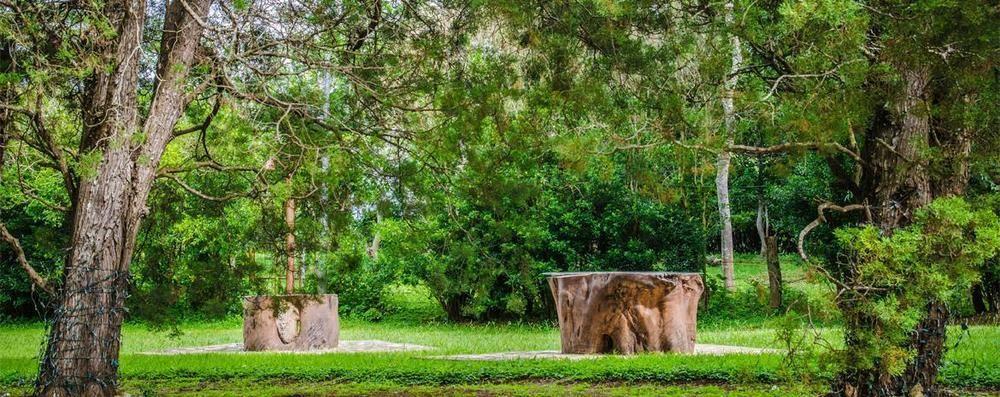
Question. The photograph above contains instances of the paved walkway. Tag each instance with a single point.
(379, 346)
(700, 349)
(346, 346)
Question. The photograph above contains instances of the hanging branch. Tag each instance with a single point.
(36, 279)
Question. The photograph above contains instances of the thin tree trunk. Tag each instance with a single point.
(761, 230)
(290, 243)
(6, 93)
(725, 157)
(773, 271)
(376, 237)
(762, 223)
(81, 354)
(725, 218)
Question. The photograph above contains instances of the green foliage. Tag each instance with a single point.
(899, 275)
(484, 254)
(41, 232)
(358, 279)
(182, 387)
(196, 266)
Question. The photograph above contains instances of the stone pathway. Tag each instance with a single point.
(700, 349)
(346, 346)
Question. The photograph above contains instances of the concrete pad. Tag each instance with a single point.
(346, 346)
(699, 349)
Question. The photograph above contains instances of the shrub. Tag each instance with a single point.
(484, 254)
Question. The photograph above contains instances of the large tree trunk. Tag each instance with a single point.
(81, 354)
(897, 183)
(725, 157)
(626, 312)
(82, 349)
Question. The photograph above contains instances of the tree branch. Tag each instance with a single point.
(787, 147)
(822, 219)
(36, 279)
(198, 193)
(204, 124)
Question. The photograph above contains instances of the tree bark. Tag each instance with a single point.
(6, 94)
(725, 218)
(290, 243)
(626, 312)
(81, 354)
(376, 237)
(725, 157)
(898, 182)
(760, 223)
(773, 271)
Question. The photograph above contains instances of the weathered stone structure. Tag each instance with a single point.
(290, 322)
(626, 312)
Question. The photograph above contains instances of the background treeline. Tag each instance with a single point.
(514, 211)
(479, 249)
(545, 151)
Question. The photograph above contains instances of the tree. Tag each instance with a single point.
(725, 156)
(893, 95)
(132, 70)
(110, 201)
(901, 79)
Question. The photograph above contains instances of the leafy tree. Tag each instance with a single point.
(128, 73)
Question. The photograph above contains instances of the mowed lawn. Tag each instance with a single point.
(973, 362)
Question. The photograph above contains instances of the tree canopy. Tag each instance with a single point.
(183, 153)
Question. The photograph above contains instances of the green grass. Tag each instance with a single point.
(325, 388)
(244, 387)
(973, 363)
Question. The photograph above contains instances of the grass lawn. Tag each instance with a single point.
(330, 388)
(973, 363)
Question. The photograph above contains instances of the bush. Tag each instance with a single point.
(192, 259)
(356, 278)
(484, 257)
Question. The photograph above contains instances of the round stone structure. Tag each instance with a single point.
(290, 322)
(626, 312)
